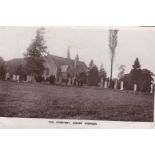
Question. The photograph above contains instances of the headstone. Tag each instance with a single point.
(17, 78)
(101, 82)
(29, 78)
(14, 77)
(135, 88)
(151, 89)
(115, 86)
(105, 84)
(122, 85)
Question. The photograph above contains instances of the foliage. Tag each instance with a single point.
(141, 77)
(52, 79)
(121, 71)
(136, 64)
(93, 76)
(83, 77)
(35, 53)
(21, 72)
(2, 69)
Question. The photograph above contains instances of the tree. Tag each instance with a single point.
(2, 69)
(112, 46)
(121, 71)
(34, 55)
(136, 64)
(145, 80)
(21, 72)
(136, 71)
(93, 76)
(142, 77)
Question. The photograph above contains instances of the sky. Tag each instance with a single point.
(88, 42)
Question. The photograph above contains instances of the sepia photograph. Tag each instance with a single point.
(77, 73)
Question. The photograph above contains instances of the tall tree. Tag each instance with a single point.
(136, 71)
(112, 46)
(35, 53)
(93, 74)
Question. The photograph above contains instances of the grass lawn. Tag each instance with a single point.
(48, 101)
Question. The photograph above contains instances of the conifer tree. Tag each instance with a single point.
(34, 55)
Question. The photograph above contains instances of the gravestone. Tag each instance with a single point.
(14, 77)
(122, 85)
(17, 78)
(151, 89)
(105, 84)
(135, 87)
(29, 78)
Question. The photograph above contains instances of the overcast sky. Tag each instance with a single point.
(88, 42)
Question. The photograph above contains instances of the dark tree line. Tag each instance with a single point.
(141, 77)
(95, 75)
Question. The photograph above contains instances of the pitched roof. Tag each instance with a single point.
(12, 65)
(60, 61)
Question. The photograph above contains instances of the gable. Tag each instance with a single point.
(60, 61)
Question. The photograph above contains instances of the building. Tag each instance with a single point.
(63, 68)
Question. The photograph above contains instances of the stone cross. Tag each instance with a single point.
(122, 85)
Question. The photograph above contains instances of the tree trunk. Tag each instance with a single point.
(111, 68)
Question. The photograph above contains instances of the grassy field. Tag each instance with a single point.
(47, 101)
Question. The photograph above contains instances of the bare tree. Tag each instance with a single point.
(121, 71)
(112, 46)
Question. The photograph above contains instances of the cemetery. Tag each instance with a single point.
(43, 85)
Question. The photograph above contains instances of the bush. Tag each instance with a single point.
(39, 78)
(52, 79)
(93, 76)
